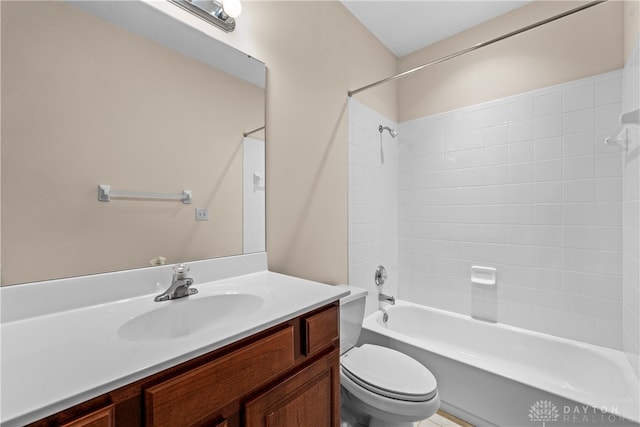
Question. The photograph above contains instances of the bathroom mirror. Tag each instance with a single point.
(126, 94)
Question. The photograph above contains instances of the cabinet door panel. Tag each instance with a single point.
(101, 418)
(196, 395)
(321, 329)
(310, 398)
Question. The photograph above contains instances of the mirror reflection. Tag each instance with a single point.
(142, 104)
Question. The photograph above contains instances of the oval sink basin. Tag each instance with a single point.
(183, 317)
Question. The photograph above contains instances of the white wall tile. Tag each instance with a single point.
(496, 135)
(520, 131)
(520, 193)
(497, 115)
(524, 184)
(607, 116)
(579, 237)
(607, 238)
(496, 155)
(578, 121)
(548, 214)
(520, 214)
(609, 165)
(521, 152)
(547, 257)
(520, 172)
(549, 280)
(578, 98)
(474, 119)
(495, 175)
(548, 126)
(548, 235)
(578, 167)
(579, 144)
(548, 170)
(520, 235)
(495, 194)
(607, 213)
(608, 189)
(547, 192)
(609, 91)
(473, 139)
(548, 148)
(547, 104)
(521, 109)
(578, 191)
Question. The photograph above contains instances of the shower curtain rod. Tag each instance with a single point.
(479, 45)
(246, 134)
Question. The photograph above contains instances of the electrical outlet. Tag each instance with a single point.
(202, 214)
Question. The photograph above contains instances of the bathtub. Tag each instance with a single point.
(492, 374)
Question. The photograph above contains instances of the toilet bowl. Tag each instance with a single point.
(377, 383)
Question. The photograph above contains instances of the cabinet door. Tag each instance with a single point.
(309, 398)
(101, 418)
(199, 394)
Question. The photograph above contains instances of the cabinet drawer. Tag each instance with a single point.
(101, 418)
(321, 329)
(197, 394)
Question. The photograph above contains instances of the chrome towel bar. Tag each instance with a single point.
(105, 194)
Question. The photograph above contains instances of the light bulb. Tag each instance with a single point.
(233, 8)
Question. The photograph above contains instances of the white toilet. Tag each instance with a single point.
(390, 387)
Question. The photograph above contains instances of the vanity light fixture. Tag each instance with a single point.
(219, 14)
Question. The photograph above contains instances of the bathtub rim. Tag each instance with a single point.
(628, 409)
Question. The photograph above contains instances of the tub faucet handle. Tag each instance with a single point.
(381, 275)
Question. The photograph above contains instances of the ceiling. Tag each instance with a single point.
(407, 26)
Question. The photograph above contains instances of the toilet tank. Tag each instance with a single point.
(351, 317)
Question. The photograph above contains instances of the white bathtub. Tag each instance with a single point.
(493, 374)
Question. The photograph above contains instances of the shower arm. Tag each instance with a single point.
(392, 132)
(478, 46)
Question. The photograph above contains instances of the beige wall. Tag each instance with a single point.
(86, 103)
(571, 48)
(315, 52)
(324, 53)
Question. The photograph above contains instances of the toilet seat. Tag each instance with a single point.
(389, 373)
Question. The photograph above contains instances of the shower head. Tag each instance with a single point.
(392, 132)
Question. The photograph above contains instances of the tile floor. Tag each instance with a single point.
(437, 420)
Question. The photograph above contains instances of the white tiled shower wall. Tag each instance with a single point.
(373, 201)
(631, 216)
(524, 184)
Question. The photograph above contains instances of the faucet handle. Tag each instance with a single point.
(180, 271)
(380, 277)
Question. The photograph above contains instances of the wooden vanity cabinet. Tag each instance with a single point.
(285, 376)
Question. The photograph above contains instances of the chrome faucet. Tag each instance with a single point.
(380, 277)
(179, 285)
(386, 298)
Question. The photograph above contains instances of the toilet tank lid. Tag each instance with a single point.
(355, 293)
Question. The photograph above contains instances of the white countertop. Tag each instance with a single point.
(61, 358)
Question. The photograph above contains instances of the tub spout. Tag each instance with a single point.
(386, 298)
